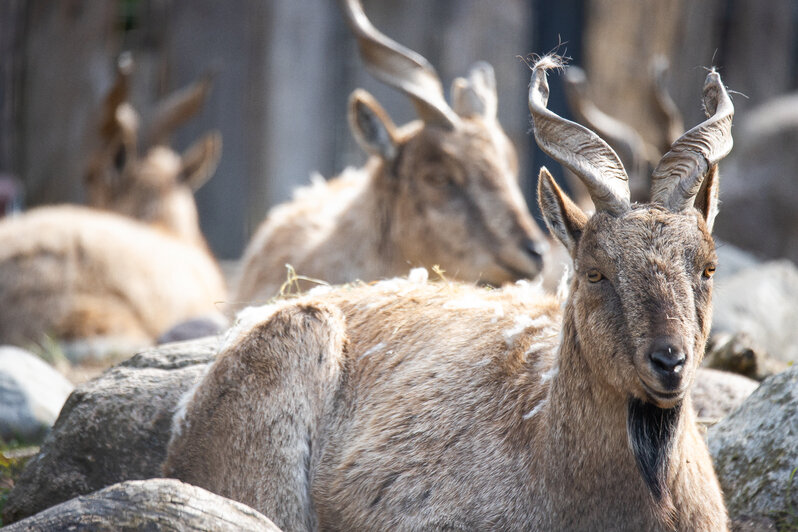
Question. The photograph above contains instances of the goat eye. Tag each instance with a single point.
(594, 276)
(709, 271)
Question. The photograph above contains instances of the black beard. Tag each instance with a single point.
(651, 430)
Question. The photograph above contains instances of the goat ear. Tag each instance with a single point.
(564, 219)
(372, 127)
(201, 159)
(706, 200)
(477, 94)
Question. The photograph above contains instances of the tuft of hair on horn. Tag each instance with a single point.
(551, 62)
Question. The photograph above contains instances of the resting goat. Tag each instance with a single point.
(407, 406)
(100, 281)
(439, 191)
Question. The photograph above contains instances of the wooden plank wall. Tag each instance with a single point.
(753, 44)
(284, 70)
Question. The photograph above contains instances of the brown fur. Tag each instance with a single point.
(465, 408)
(454, 407)
(75, 273)
(450, 198)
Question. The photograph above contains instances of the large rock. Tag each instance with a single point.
(156, 504)
(758, 189)
(732, 259)
(718, 393)
(755, 450)
(111, 429)
(762, 302)
(31, 395)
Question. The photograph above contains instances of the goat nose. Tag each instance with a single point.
(535, 249)
(667, 359)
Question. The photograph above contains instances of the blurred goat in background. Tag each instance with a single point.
(109, 282)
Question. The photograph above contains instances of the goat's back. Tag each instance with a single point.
(310, 234)
(429, 380)
(74, 273)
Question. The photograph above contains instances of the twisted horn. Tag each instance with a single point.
(678, 176)
(576, 147)
(399, 67)
(177, 108)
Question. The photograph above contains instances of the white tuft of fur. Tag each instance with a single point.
(522, 322)
(472, 301)
(247, 319)
(536, 347)
(319, 290)
(371, 350)
(530, 289)
(179, 419)
(535, 410)
(418, 276)
(548, 375)
(564, 284)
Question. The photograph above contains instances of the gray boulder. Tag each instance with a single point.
(193, 329)
(759, 188)
(113, 428)
(31, 395)
(718, 393)
(755, 450)
(156, 504)
(761, 302)
(732, 259)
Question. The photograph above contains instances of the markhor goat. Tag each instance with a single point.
(439, 191)
(104, 282)
(415, 406)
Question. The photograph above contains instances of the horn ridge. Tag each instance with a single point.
(678, 177)
(399, 67)
(577, 148)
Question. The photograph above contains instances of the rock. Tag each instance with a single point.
(755, 450)
(113, 428)
(31, 395)
(209, 325)
(758, 190)
(762, 302)
(718, 393)
(732, 259)
(738, 353)
(156, 504)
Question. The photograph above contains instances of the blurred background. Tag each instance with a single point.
(284, 70)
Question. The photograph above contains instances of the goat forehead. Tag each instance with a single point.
(647, 239)
(472, 139)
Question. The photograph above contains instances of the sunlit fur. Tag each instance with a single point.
(73, 273)
(111, 279)
(449, 197)
(415, 406)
